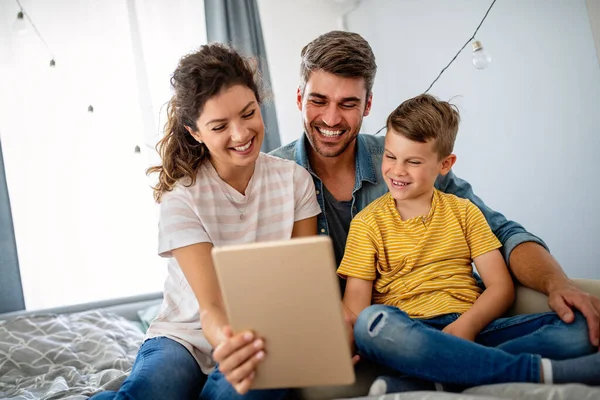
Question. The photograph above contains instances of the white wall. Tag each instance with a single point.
(530, 135)
(287, 27)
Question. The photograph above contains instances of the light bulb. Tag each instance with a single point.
(481, 58)
(20, 25)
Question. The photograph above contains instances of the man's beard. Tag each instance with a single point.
(325, 150)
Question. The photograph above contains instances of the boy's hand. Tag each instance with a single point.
(461, 330)
(350, 331)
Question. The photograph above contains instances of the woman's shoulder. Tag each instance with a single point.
(188, 186)
(275, 164)
(278, 169)
(274, 161)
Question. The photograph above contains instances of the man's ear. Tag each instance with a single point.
(299, 98)
(447, 164)
(368, 105)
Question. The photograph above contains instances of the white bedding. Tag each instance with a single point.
(66, 356)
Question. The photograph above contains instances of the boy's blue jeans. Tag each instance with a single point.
(164, 369)
(507, 350)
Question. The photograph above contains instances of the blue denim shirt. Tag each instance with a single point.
(370, 185)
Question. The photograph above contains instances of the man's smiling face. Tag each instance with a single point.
(332, 109)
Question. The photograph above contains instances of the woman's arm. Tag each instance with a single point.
(197, 266)
(493, 302)
(237, 355)
(305, 227)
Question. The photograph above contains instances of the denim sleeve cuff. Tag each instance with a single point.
(516, 240)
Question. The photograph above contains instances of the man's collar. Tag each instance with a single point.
(365, 170)
(302, 154)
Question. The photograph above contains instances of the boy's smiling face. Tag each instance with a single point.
(410, 168)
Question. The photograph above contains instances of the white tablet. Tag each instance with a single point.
(287, 292)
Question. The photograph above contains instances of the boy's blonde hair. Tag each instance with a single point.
(424, 118)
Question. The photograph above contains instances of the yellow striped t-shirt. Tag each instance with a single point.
(421, 265)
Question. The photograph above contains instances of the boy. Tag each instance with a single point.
(410, 253)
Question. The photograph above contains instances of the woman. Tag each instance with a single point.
(215, 188)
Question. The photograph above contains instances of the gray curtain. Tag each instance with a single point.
(11, 291)
(237, 23)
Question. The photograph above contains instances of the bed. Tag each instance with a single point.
(75, 352)
(71, 352)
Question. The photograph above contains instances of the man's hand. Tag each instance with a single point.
(564, 299)
(534, 267)
(460, 330)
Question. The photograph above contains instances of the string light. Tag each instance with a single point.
(481, 59)
(22, 16)
(20, 26)
(464, 45)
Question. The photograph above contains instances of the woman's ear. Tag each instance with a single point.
(447, 164)
(195, 134)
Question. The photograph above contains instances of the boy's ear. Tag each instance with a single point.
(447, 164)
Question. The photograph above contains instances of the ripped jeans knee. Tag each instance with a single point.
(378, 325)
(372, 320)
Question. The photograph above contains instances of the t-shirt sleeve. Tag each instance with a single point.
(178, 224)
(305, 199)
(360, 256)
(479, 235)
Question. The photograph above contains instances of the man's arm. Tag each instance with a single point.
(509, 233)
(530, 262)
(535, 267)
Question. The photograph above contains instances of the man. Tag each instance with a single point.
(335, 94)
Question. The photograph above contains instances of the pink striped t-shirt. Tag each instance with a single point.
(279, 194)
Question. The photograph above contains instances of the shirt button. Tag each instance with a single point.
(322, 230)
(318, 192)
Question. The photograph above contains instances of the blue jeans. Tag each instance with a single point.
(507, 350)
(217, 388)
(164, 369)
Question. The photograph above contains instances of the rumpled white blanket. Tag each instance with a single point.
(66, 356)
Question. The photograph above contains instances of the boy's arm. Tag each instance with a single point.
(358, 268)
(531, 263)
(357, 297)
(493, 302)
(499, 292)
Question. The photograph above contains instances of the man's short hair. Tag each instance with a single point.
(424, 118)
(345, 54)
